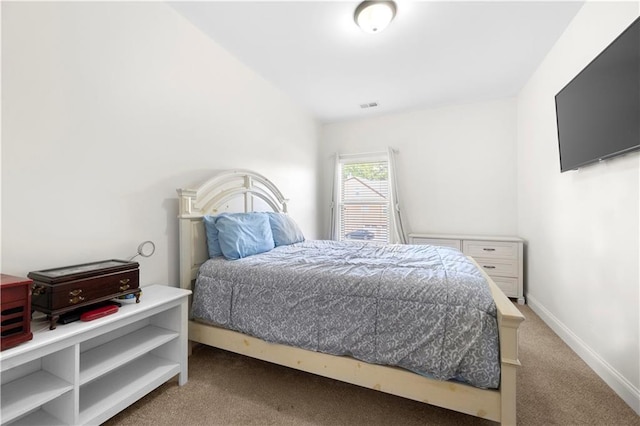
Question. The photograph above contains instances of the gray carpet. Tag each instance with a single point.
(555, 387)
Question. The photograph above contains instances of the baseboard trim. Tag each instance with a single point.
(620, 385)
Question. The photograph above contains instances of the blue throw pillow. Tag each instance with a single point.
(244, 234)
(284, 229)
(212, 236)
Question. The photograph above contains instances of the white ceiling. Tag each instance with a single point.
(432, 54)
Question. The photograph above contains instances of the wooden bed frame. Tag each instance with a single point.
(256, 193)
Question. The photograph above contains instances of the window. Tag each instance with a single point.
(362, 198)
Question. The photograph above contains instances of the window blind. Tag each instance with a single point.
(364, 200)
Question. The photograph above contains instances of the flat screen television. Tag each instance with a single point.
(598, 112)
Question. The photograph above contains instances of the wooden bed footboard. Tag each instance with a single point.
(396, 381)
(509, 320)
(497, 405)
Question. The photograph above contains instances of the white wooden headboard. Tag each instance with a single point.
(228, 191)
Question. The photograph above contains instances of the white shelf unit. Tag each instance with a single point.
(502, 258)
(86, 372)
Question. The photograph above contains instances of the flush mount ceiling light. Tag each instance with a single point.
(374, 16)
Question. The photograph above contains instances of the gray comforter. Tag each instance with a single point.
(424, 308)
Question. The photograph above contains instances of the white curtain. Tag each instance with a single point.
(335, 192)
(397, 235)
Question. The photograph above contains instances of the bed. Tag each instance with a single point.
(247, 191)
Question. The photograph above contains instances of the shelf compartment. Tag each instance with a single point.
(30, 392)
(108, 395)
(104, 358)
(38, 418)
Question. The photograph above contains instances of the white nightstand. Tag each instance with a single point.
(502, 258)
(86, 372)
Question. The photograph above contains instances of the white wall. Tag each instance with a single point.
(456, 164)
(108, 108)
(582, 227)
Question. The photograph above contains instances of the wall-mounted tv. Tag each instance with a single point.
(598, 112)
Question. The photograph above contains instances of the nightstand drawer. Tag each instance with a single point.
(490, 249)
(437, 242)
(509, 286)
(498, 267)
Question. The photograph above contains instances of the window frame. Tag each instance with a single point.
(339, 204)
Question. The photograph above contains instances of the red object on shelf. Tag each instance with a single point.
(100, 312)
(15, 299)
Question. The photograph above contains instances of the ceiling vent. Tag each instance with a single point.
(369, 105)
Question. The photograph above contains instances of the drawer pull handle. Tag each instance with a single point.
(75, 300)
(125, 284)
(488, 267)
(489, 249)
(75, 292)
(38, 290)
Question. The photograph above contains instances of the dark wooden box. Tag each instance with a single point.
(60, 290)
(15, 300)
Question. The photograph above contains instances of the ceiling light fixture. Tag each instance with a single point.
(374, 16)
